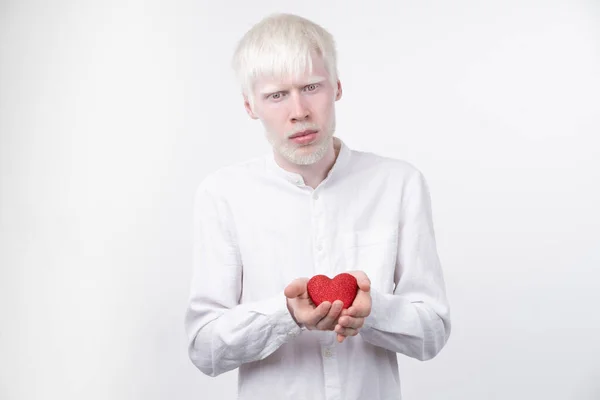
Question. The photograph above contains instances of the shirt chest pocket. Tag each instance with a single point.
(374, 252)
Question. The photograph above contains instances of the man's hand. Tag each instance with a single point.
(324, 317)
(353, 318)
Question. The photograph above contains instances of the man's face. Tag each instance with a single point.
(298, 114)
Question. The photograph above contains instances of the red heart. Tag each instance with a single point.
(342, 287)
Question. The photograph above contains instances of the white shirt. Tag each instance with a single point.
(258, 227)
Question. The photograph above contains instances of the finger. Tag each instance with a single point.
(340, 330)
(361, 307)
(359, 311)
(351, 322)
(328, 322)
(295, 288)
(318, 314)
(352, 311)
(340, 338)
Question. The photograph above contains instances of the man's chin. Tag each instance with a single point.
(305, 154)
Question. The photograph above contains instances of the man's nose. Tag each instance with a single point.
(299, 110)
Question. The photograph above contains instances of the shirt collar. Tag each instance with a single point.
(338, 167)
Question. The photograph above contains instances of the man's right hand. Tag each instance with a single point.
(324, 317)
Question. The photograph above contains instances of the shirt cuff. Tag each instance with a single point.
(375, 315)
(392, 313)
(277, 311)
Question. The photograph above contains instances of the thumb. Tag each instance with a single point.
(362, 280)
(364, 284)
(295, 289)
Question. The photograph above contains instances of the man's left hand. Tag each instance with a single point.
(353, 318)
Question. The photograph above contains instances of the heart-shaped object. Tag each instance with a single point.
(342, 287)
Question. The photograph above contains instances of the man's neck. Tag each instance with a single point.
(315, 173)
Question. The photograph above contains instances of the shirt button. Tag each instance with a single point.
(316, 196)
(327, 353)
(319, 247)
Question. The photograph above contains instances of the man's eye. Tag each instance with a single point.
(312, 87)
(276, 96)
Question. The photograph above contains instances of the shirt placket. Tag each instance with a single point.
(330, 369)
(328, 350)
(321, 252)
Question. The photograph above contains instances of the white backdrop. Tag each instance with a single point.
(112, 112)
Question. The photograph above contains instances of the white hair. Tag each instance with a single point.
(281, 46)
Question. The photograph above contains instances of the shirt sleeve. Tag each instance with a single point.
(223, 334)
(415, 319)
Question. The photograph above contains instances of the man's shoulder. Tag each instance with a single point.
(386, 165)
(230, 176)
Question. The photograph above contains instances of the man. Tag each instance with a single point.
(312, 206)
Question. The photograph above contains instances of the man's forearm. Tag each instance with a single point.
(418, 329)
(221, 340)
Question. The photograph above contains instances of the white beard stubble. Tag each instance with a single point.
(296, 153)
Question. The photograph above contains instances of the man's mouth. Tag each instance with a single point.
(303, 133)
(304, 138)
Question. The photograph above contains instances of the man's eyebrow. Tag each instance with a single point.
(269, 89)
(314, 79)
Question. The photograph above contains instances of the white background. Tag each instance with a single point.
(112, 112)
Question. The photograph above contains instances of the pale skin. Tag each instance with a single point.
(286, 107)
(328, 316)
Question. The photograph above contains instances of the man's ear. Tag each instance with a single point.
(248, 108)
(338, 93)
